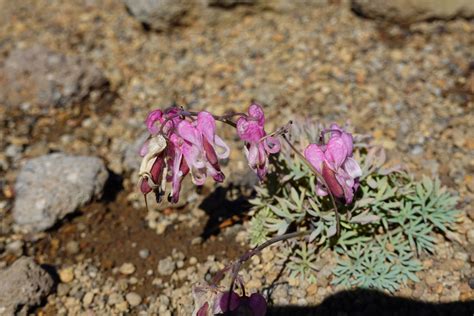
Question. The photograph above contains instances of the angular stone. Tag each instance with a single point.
(47, 78)
(51, 186)
(23, 285)
(409, 11)
(159, 15)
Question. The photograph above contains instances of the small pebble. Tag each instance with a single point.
(470, 236)
(166, 266)
(72, 247)
(133, 299)
(122, 306)
(471, 283)
(66, 275)
(144, 253)
(193, 260)
(15, 247)
(87, 299)
(115, 299)
(127, 268)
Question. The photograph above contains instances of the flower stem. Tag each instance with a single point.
(235, 267)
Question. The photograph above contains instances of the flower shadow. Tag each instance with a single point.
(226, 207)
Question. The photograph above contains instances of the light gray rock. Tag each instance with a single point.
(133, 299)
(48, 78)
(160, 15)
(51, 186)
(409, 11)
(23, 285)
(166, 266)
(15, 247)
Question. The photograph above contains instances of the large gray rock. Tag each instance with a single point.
(160, 15)
(47, 78)
(23, 285)
(52, 186)
(409, 11)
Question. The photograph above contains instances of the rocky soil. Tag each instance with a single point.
(77, 79)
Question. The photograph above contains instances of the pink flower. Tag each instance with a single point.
(170, 116)
(202, 148)
(162, 156)
(257, 146)
(335, 164)
(212, 300)
(153, 168)
(176, 147)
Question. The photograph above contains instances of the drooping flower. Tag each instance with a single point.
(202, 148)
(170, 118)
(334, 162)
(153, 169)
(258, 146)
(211, 300)
(162, 156)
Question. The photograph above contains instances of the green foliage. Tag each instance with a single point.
(390, 222)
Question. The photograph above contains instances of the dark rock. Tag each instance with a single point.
(159, 15)
(409, 11)
(47, 78)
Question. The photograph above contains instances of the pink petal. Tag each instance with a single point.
(180, 170)
(336, 152)
(252, 155)
(203, 311)
(315, 155)
(193, 156)
(206, 125)
(189, 133)
(272, 145)
(222, 149)
(346, 137)
(256, 112)
(198, 176)
(320, 189)
(333, 185)
(144, 186)
(144, 149)
(217, 175)
(262, 154)
(210, 154)
(249, 131)
(154, 116)
(352, 168)
(348, 191)
(262, 172)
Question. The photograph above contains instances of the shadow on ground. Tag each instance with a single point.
(369, 302)
(225, 206)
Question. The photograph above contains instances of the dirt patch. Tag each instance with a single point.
(113, 234)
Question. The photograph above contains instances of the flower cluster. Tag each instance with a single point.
(334, 162)
(257, 144)
(182, 142)
(177, 147)
(213, 300)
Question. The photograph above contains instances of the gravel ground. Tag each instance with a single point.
(412, 88)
